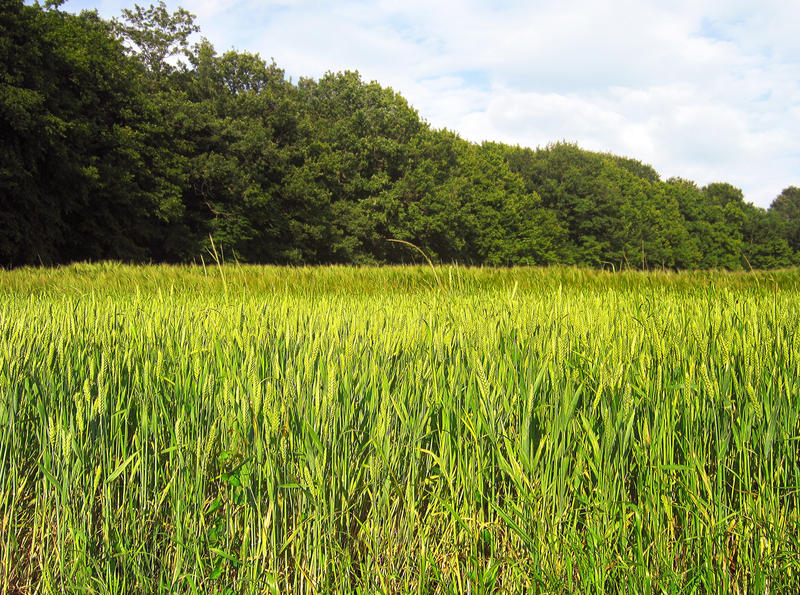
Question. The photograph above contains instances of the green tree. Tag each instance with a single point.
(764, 246)
(636, 167)
(787, 208)
(355, 138)
(723, 213)
(111, 149)
(589, 195)
(156, 35)
(235, 119)
(77, 179)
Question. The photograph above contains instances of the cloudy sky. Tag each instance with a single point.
(704, 89)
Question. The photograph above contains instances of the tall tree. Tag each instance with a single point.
(723, 212)
(77, 182)
(356, 138)
(155, 35)
(764, 246)
(110, 148)
(787, 207)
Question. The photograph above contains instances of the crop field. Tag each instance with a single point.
(243, 429)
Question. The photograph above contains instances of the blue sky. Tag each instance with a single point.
(704, 90)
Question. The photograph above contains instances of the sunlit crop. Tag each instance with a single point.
(256, 429)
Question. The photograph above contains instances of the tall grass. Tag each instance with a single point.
(339, 429)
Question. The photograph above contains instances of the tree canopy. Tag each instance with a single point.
(112, 149)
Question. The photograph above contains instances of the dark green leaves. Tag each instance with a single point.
(111, 149)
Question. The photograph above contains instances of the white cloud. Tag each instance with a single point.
(700, 89)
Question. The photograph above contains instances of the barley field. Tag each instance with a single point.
(243, 429)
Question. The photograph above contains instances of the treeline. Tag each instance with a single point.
(110, 149)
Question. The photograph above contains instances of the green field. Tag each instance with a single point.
(257, 429)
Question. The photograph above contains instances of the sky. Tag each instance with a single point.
(706, 90)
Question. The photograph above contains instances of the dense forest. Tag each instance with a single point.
(119, 140)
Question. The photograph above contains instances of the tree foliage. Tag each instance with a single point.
(113, 149)
(156, 35)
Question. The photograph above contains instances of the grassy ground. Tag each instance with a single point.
(261, 429)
